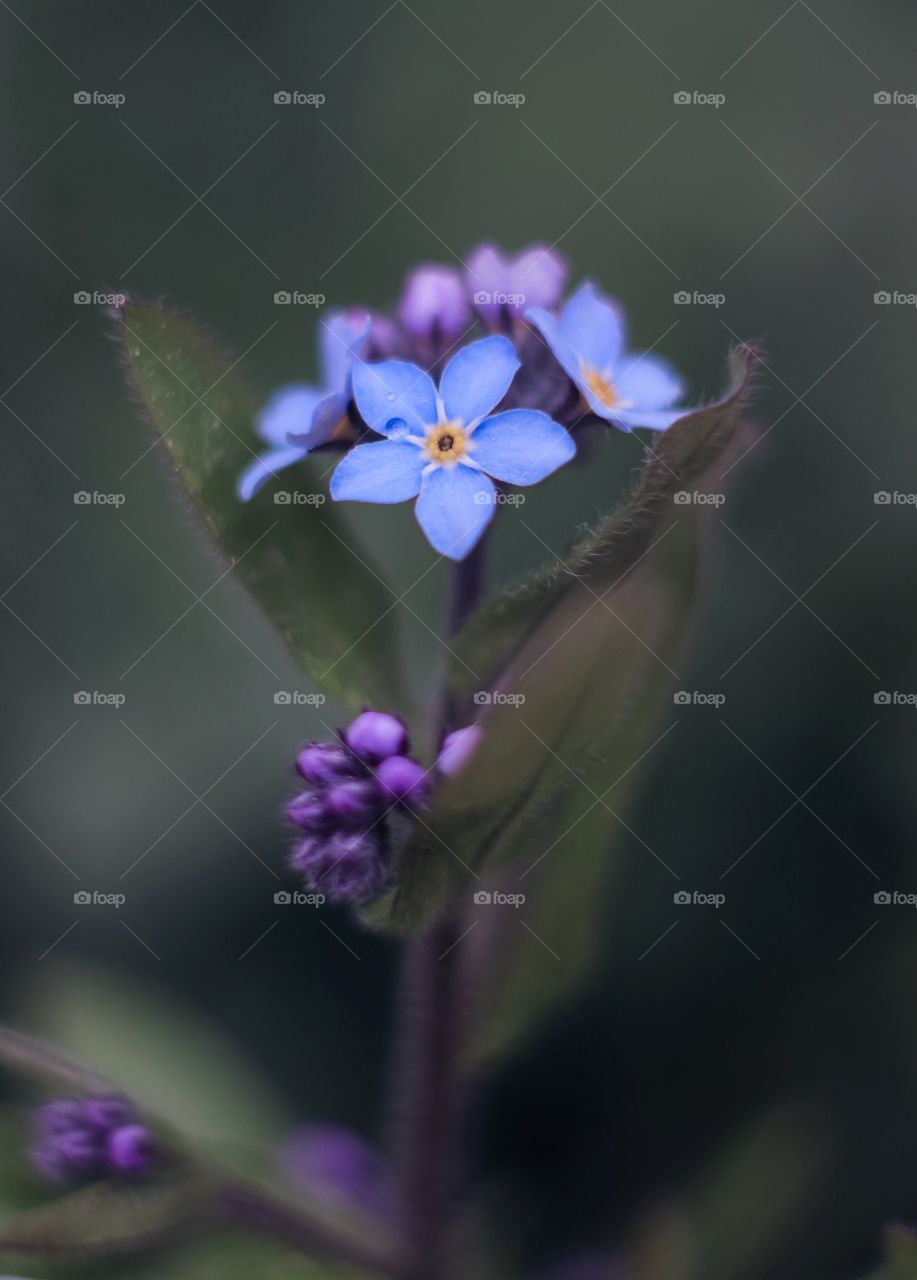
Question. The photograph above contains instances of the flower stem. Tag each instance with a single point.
(432, 1016)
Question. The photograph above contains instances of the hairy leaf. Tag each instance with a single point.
(327, 602)
(569, 671)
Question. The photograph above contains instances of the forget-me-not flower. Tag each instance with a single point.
(299, 417)
(625, 389)
(443, 446)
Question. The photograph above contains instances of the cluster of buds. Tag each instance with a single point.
(353, 785)
(85, 1139)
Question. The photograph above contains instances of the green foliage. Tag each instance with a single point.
(583, 651)
(329, 605)
(900, 1255)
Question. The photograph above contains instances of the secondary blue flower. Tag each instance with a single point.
(626, 390)
(299, 417)
(443, 446)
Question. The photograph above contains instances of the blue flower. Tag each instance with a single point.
(588, 340)
(443, 446)
(299, 417)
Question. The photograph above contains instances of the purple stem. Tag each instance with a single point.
(432, 1017)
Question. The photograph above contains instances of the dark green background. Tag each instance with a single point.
(678, 1050)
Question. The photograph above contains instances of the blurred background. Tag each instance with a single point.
(751, 1068)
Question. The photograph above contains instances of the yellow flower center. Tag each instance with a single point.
(601, 387)
(446, 442)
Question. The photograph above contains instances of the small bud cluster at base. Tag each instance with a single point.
(353, 785)
(86, 1139)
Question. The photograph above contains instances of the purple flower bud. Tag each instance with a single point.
(375, 735)
(458, 748)
(434, 303)
(80, 1149)
(403, 781)
(58, 1117)
(309, 810)
(305, 855)
(325, 763)
(347, 867)
(333, 1164)
(131, 1149)
(501, 284)
(355, 804)
(104, 1113)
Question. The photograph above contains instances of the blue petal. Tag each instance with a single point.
(386, 471)
(394, 389)
(616, 417)
(257, 472)
(477, 378)
(648, 381)
(341, 340)
(655, 419)
(288, 411)
(455, 506)
(549, 328)
(594, 327)
(521, 446)
(325, 419)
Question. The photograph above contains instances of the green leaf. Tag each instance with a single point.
(106, 1219)
(583, 651)
(900, 1255)
(44, 1065)
(327, 602)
